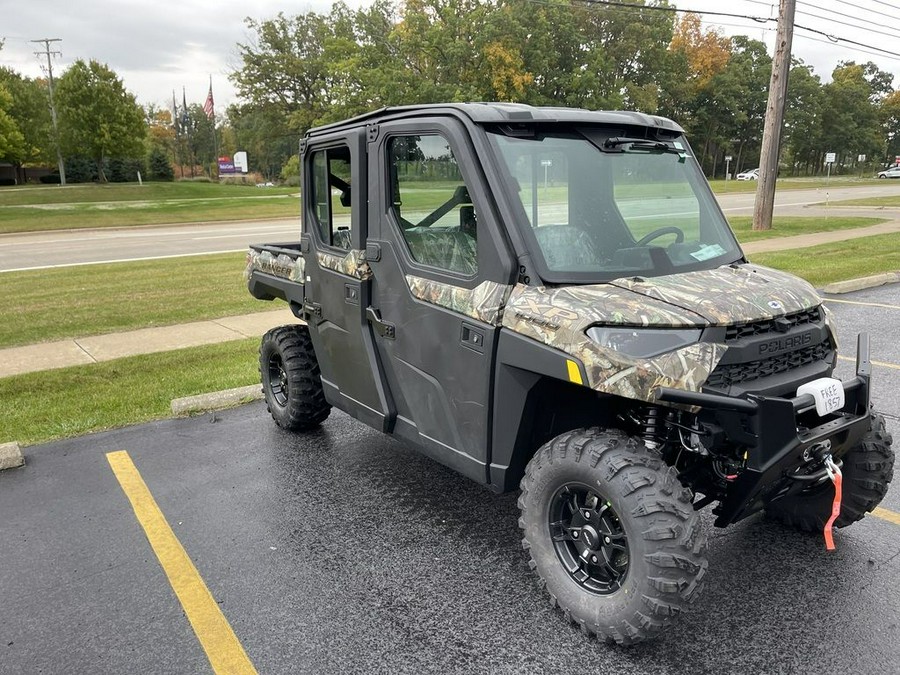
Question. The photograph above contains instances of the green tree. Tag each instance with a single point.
(30, 111)
(98, 117)
(160, 166)
(12, 143)
(850, 123)
(803, 119)
(889, 112)
(261, 133)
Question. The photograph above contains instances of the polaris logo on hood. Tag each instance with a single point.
(778, 345)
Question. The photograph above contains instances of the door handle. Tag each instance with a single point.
(472, 337)
(384, 328)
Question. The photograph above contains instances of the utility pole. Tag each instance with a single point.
(771, 143)
(50, 54)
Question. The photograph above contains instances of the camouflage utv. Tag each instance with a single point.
(551, 300)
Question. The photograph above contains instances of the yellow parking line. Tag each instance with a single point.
(886, 514)
(224, 651)
(865, 304)
(883, 364)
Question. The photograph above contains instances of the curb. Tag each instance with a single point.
(11, 456)
(217, 400)
(850, 285)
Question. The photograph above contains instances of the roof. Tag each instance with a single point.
(505, 113)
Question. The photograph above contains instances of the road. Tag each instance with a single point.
(343, 551)
(41, 250)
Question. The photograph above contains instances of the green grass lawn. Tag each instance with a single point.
(86, 300)
(872, 201)
(52, 207)
(789, 226)
(82, 399)
(721, 186)
(34, 209)
(126, 192)
(849, 259)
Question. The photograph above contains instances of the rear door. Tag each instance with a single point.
(440, 277)
(338, 281)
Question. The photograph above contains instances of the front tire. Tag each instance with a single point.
(611, 533)
(291, 379)
(867, 471)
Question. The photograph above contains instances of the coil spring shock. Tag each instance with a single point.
(652, 427)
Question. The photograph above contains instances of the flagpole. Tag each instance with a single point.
(176, 146)
(215, 136)
(185, 118)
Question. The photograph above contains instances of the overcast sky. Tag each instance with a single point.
(162, 45)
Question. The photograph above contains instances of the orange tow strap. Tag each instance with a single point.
(834, 472)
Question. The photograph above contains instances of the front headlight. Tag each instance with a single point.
(643, 342)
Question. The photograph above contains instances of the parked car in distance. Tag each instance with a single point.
(753, 174)
(892, 172)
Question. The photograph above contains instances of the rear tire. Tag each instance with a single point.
(867, 471)
(291, 379)
(591, 486)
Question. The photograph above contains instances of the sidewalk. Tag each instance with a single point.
(80, 351)
(75, 352)
(816, 238)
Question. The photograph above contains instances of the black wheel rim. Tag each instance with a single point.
(278, 382)
(589, 538)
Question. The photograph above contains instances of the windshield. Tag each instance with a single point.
(601, 204)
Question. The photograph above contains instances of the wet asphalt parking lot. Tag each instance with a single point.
(343, 551)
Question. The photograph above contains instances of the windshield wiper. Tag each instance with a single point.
(639, 143)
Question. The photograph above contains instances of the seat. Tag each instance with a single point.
(448, 249)
(342, 239)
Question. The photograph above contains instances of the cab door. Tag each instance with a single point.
(338, 281)
(439, 279)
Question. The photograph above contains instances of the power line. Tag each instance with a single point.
(878, 2)
(611, 4)
(864, 9)
(857, 49)
(894, 34)
(835, 39)
(673, 10)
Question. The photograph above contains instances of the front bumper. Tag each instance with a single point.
(779, 439)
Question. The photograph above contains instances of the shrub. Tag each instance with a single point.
(160, 168)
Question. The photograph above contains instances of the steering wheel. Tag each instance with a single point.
(669, 229)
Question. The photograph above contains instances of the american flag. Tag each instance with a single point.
(208, 106)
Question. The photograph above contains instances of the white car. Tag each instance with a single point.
(753, 174)
(893, 172)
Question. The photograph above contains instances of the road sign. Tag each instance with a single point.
(546, 162)
(861, 158)
(830, 157)
(727, 158)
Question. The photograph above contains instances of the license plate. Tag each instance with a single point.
(828, 393)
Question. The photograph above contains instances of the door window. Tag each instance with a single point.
(431, 203)
(332, 195)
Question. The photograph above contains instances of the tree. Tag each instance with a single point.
(31, 114)
(98, 117)
(889, 112)
(260, 132)
(160, 166)
(12, 143)
(850, 123)
(802, 138)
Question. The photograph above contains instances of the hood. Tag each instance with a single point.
(576, 308)
(728, 295)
